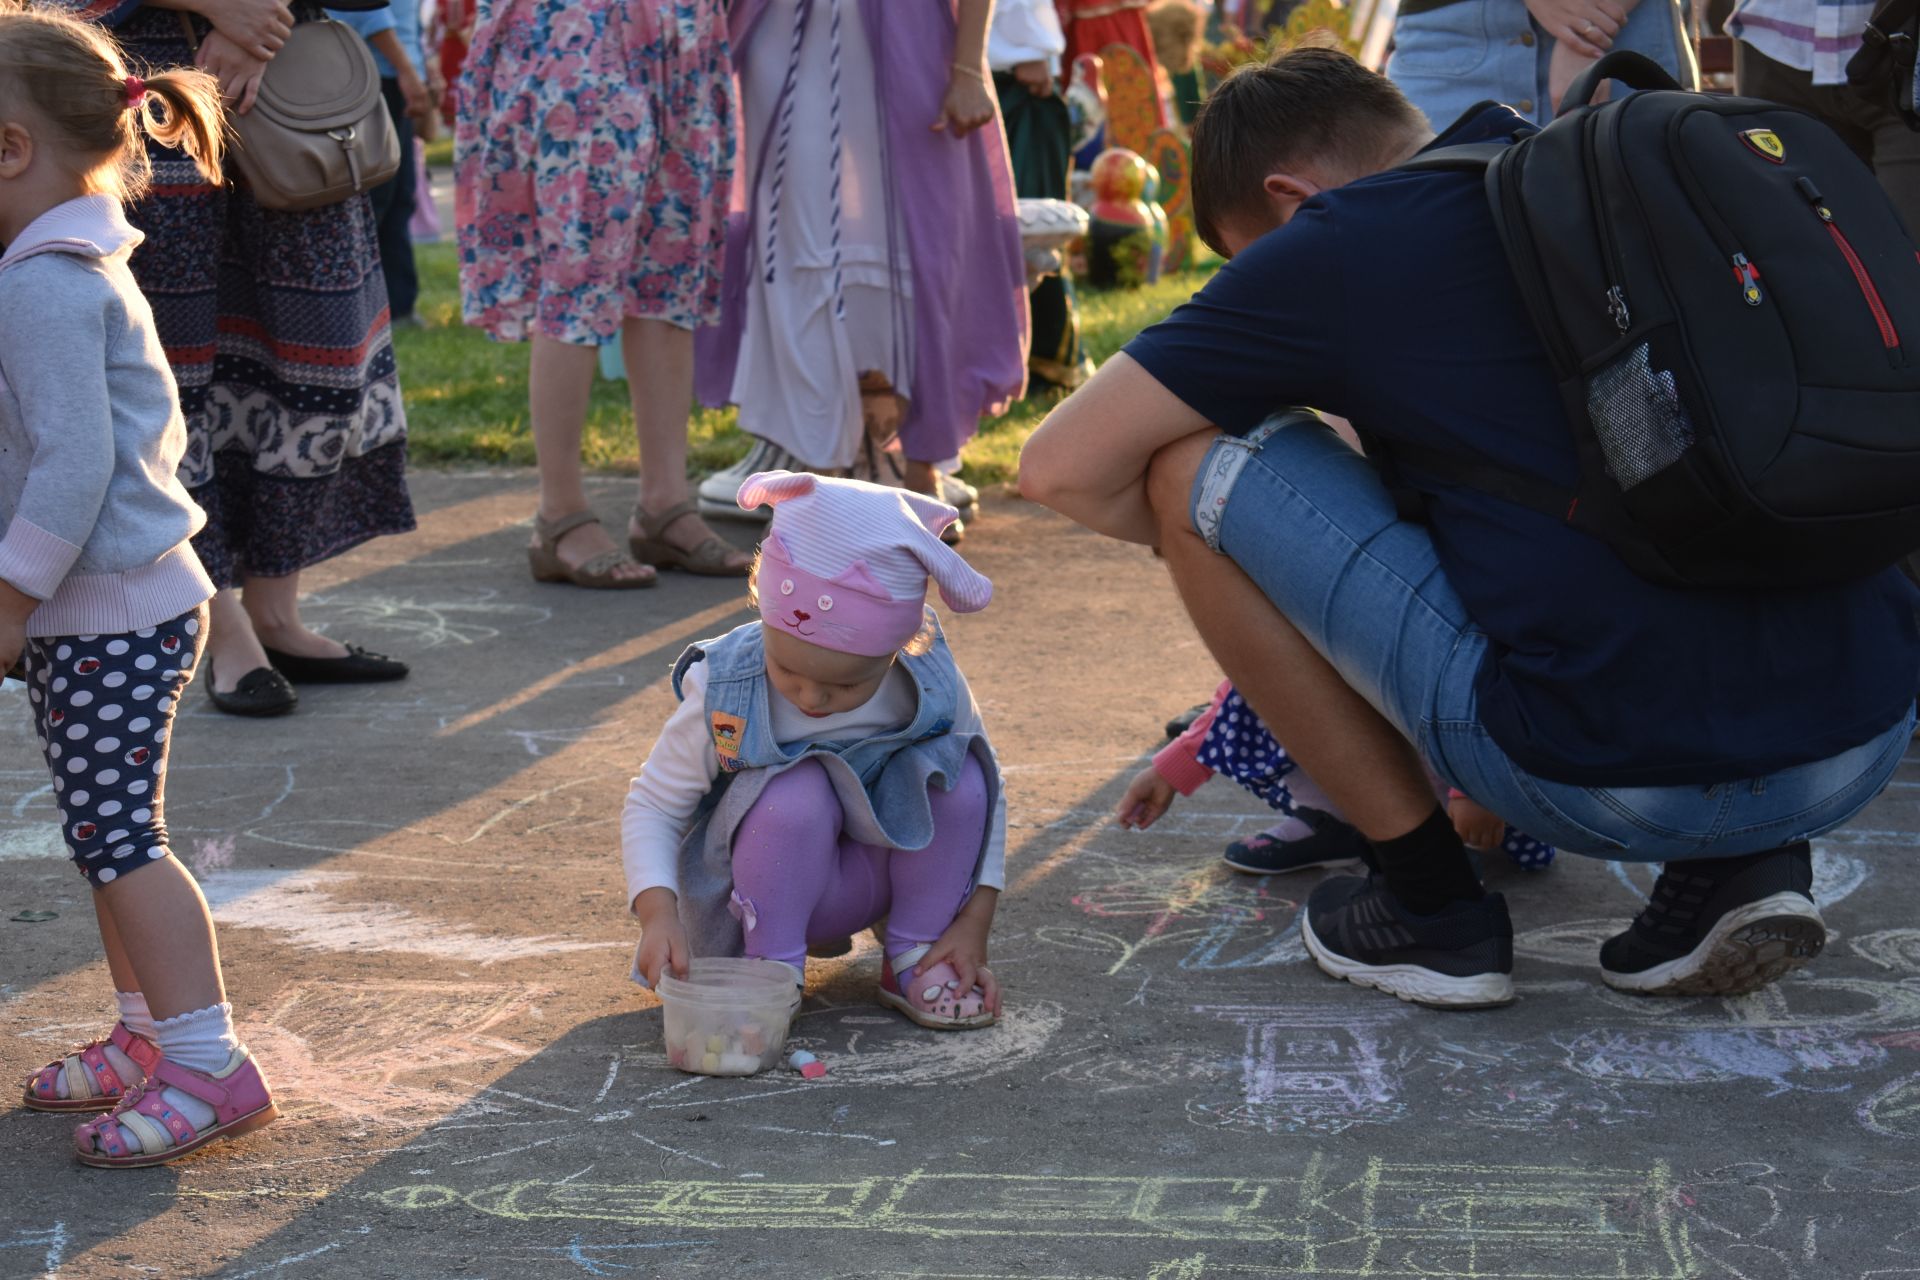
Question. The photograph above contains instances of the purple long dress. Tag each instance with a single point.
(954, 202)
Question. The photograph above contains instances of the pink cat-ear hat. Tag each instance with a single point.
(845, 563)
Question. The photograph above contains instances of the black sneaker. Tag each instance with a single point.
(1461, 957)
(1332, 844)
(1720, 927)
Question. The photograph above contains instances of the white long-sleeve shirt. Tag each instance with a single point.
(683, 766)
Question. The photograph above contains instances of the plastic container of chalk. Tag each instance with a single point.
(727, 1017)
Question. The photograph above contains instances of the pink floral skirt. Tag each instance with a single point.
(593, 159)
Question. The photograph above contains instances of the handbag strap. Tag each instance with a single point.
(186, 25)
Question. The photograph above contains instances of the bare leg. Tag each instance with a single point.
(118, 964)
(232, 647)
(559, 384)
(273, 606)
(166, 936)
(922, 477)
(659, 359)
(1355, 753)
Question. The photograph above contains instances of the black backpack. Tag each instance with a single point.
(1732, 308)
(1883, 69)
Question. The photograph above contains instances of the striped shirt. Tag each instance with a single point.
(1812, 35)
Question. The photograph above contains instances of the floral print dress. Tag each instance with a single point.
(593, 159)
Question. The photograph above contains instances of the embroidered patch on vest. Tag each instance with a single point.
(1766, 144)
(726, 739)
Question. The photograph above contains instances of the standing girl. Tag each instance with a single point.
(592, 154)
(98, 582)
(827, 765)
(874, 282)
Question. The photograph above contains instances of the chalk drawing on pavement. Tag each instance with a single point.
(1385, 1220)
(1318, 1067)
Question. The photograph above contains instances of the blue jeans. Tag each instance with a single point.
(1468, 52)
(1308, 520)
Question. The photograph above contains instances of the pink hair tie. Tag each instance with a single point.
(136, 91)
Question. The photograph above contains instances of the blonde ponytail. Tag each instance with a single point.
(72, 75)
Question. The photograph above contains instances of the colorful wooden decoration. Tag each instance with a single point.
(1133, 97)
(1167, 151)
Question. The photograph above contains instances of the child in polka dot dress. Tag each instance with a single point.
(101, 595)
(1230, 739)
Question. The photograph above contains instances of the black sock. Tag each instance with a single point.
(1427, 868)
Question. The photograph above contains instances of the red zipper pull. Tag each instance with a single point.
(1748, 277)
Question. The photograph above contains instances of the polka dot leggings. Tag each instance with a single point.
(103, 707)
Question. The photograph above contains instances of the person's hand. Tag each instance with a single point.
(663, 940)
(1564, 65)
(237, 71)
(964, 946)
(1148, 796)
(16, 606)
(1034, 77)
(258, 27)
(1587, 26)
(13, 641)
(1479, 828)
(413, 91)
(428, 125)
(966, 107)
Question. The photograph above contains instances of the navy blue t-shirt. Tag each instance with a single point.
(1389, 301)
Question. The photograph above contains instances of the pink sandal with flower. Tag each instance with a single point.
(92, 1082)
(932, 998)
(237, 1094)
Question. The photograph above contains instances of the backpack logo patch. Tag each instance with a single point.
(727, 731)
(1766, 144)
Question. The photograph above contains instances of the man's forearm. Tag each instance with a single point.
(1089, 459)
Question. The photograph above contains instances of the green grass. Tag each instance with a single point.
(467, 397)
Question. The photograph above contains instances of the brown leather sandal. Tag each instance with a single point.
(597, 573)
(709, 559)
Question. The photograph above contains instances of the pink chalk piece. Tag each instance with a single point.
(814, 1070)
(806, 1064)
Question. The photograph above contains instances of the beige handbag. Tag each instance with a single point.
(318, 132)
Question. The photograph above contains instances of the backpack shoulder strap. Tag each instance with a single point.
(1481, 474)
(1468, 157)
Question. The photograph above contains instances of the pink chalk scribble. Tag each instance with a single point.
(212, 855)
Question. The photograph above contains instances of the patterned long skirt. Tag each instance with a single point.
(276, 327)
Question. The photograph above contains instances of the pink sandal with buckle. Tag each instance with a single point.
(237, 1093)
(933, 998)
(92, 1082)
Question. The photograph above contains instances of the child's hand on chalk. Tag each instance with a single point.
(1148, 796)
(964, 946)
(663, 941)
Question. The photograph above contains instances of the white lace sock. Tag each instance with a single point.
(203, 1040)
(134, 1012)
(1288, 830)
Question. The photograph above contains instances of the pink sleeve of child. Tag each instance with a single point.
(1178, 763)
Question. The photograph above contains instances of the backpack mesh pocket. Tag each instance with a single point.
(1637, 414)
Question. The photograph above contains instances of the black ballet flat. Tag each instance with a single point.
(358, 667)
(261, 692)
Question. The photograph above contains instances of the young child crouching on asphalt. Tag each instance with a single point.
(827, 766)
(1229, 739)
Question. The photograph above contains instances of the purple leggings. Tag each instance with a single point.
(798, 879)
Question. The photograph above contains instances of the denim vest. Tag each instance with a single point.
(881, 781)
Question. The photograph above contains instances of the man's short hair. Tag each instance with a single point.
(1304, 104)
